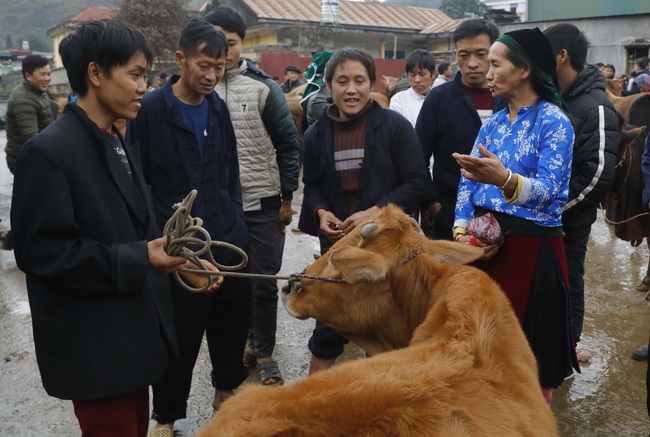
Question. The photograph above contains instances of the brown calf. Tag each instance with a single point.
(462, 366)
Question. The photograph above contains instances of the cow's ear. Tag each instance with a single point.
(452, 253)
(356, 264)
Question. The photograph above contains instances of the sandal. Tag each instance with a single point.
(270, 373)
(249, 359)
(644, 285)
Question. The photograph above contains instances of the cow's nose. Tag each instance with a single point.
(293, 284)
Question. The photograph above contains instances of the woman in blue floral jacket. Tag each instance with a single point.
(519, 170)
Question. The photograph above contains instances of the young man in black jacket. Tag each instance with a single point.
(595, 122)
(451, 117)
(86, 240)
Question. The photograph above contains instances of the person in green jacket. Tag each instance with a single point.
(29, 111)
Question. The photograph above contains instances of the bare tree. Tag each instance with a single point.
(161, 21)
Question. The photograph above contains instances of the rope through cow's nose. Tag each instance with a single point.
(181, 230)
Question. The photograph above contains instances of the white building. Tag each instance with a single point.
(515, 6)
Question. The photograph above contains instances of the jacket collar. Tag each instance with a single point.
(31, 88)
(131, 189)
(375, 118)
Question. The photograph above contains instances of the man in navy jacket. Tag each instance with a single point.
(451, 117)
(188, 142)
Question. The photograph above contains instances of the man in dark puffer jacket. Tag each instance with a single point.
(595, 122)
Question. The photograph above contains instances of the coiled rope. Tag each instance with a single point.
(181, 231)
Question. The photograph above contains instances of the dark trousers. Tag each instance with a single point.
(9, 238)
(223, 316)
(325, 342)
(575, 247)
(266, 246)
(125, 415)
(441, 228)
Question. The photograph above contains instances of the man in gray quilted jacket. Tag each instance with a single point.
(268, 149)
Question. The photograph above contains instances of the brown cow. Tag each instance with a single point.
(467, 369)
(630, 218)
(614, 86)
(293, 99)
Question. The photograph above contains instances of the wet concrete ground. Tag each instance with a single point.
(607, 399)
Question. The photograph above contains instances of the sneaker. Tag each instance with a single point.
(641, 354)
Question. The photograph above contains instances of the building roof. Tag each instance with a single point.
(95, 13)
(350, 13)
(196, 5)
(443, 26)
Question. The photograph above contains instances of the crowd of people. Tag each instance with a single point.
(523, 132)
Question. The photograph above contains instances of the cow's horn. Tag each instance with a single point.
(367, 230)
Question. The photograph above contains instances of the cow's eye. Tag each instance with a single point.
(297, 286)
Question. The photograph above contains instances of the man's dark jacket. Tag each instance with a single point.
(595, 123)
(173, 165)
(391, 172)
(102, 318)
(448, 123)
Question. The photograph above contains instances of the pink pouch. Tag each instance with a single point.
(486, 229)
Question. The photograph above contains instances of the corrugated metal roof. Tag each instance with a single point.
(95, 13)
(443, 27)
(350, 13)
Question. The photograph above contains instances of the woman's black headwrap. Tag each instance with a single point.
(534, 47)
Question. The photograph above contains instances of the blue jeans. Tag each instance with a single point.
(575, 247)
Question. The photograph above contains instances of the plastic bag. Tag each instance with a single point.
(485, 229)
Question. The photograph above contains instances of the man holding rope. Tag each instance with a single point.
(85, 237)
(187, 142)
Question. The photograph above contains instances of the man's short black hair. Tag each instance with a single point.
(109, 43)
(475, 27)
(197, 33)
(422, 59)
(228, 19)
(33, 62)
(643, 63)
(568, 37)
(292, 68)
(443, 67)
(162, 75)
(350, 54)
